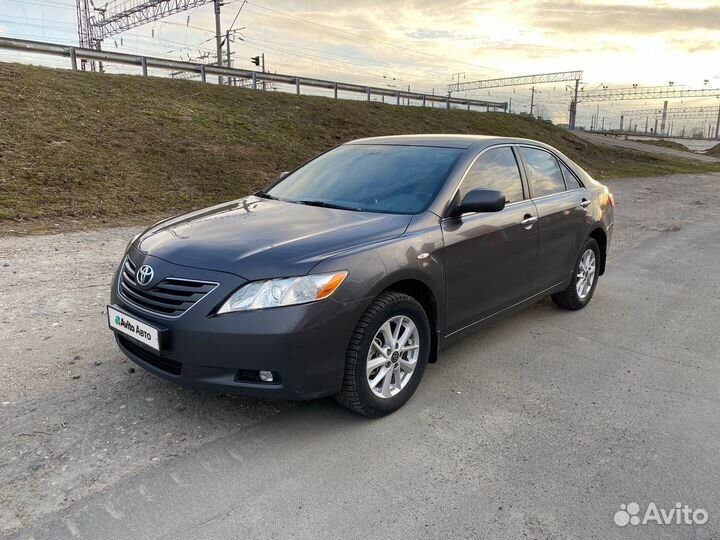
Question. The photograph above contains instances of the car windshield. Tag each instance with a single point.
(372, 178)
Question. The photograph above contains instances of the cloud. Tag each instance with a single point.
(424, 33)
(572, 17)
(695, 46)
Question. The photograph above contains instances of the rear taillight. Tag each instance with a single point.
(611, 198)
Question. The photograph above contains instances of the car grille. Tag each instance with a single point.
(171, 297)
(170, 366)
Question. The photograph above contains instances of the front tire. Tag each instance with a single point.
(584, 279)
(387, 355)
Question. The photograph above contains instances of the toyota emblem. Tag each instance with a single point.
(145, 274)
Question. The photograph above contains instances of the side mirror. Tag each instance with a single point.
(282, 175)
(482, 200)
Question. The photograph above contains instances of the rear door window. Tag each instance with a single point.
(543, 172)
(495, 169)
(571, 181)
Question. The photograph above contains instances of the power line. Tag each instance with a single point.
(646, 92)
(325, 55)
(44, 4)
(138, 13)
(237, 15)
(374, 74)
(516, 81)
(675, 110)
(366, 38)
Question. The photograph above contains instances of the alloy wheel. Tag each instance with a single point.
(585, 274)
(393, 356)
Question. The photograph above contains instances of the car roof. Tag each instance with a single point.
(443, 140)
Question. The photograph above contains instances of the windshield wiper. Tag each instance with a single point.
(265, 195)
(324, 204)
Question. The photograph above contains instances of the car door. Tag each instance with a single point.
(489, 257)
(562, 216)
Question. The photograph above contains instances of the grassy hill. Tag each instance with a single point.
(84, 148)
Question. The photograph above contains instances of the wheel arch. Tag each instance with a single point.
(600, 236)
(421, 291)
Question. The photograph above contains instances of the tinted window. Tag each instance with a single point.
(495, 169)
(544, 172)
(571, 180)
(374, 178)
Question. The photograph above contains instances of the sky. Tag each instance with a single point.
(423, 43)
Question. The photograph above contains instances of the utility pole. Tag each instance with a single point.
(717, 126)
(532, 99)
(573, 105)
(655, 130)
(218, 38)
(622, 119)
(99, 41)
(603, 124)
(597, 116)
(647, 119)
(454, 75)
(117, 16)
(510, 109)
(227, 44)
(664, 117)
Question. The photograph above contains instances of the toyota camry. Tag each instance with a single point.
(348, 275)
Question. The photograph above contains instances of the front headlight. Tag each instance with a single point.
(131, 242)
(283, 292)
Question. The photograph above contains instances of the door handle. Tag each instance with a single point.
(528, 221)
(585, 203)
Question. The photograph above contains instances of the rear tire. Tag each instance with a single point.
(382, 371)
(584, 278)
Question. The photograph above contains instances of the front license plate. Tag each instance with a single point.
(136, 329)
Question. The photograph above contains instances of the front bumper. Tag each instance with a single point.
(304, 344)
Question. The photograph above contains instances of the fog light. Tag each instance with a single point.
(266, 376)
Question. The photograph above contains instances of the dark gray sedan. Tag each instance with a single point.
(346, 276)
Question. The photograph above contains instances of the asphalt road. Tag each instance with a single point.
(539, 426)
(643, 147)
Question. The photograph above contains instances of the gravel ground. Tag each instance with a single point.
(76, 419)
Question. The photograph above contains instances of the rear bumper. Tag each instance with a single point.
(304, 344)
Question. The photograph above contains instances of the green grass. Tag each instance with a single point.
(86, 148)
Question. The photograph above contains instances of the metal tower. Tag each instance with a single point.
(539, 78)
(117, 16)
(86, 35)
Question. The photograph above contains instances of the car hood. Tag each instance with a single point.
(257, 238)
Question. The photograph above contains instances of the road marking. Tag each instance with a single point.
(259, 444)
(209, 468)
(113, 513)
(144, 492)
(71, 527)
(177, 480)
